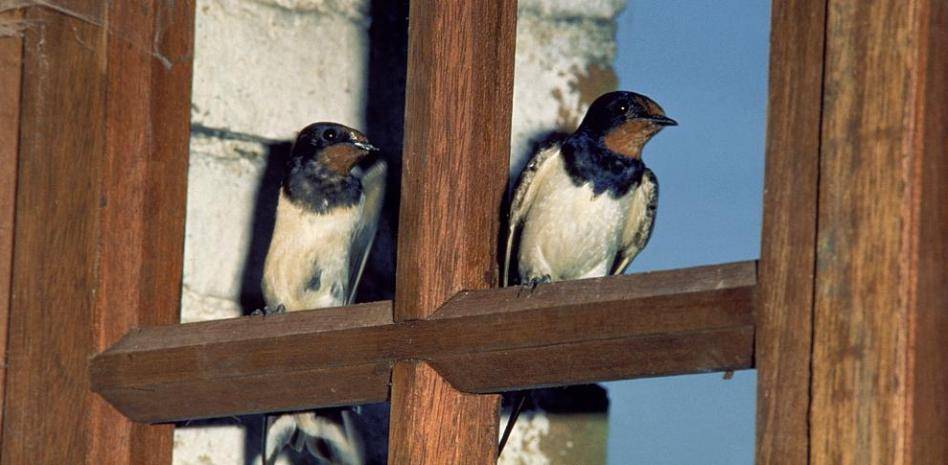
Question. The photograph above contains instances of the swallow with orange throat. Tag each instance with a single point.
(327, 216)
(585, 207)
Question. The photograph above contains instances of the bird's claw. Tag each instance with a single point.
(530, 285)
(267, 311)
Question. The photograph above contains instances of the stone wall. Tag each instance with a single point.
(266, 68)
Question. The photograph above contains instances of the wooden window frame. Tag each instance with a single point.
(847, 326)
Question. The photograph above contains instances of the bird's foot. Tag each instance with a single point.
(531, 284)
(267, 311)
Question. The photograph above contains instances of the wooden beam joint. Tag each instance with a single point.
(486, 341)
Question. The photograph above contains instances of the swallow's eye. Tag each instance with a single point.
(622, 108)
(329, 134)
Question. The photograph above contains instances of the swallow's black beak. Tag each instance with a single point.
(662, 120)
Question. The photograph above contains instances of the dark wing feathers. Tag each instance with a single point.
(640, 221)
(523, 197)
(373, 188)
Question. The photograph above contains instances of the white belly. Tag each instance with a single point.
(569, 233)
(304, 244)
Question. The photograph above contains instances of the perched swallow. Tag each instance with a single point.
(326, 220)
(585, 207)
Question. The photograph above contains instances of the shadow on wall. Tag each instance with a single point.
(264, 216)
(385, 122)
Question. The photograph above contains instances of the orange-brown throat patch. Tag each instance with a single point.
(628, 138)
(340, 158)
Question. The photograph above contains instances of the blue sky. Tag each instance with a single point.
(705, 62)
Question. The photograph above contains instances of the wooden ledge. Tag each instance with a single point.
(649, 324)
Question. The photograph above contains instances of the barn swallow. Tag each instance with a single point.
(585, 207)
(326, 219)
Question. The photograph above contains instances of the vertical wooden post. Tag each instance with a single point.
(457, 139)
(11, 69)
(99, 220)
(54, 262)
(881, 319)
(788, 252)
(142, 198)
(927, 267)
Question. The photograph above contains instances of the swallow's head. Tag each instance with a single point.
(324, 166)
(336, 148)
(622, 122)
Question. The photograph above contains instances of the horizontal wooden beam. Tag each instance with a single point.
(648, 324)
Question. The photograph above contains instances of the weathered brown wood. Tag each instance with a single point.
(878, 391)
(591, 361)
(62, 135)
(470, 419)
(603, 294)
(99, 220)
(325, 357)
(572, 332)
(788, 250)
(928, 320)
(142, 197)
(457, 146)
(459, 97)
(262, 392)
(11, 65)
(690, 320)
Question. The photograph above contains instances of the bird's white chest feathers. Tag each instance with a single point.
(570, 233)
(305, 244)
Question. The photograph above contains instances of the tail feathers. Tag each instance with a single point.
(278, 434)
(337, 441)
(333, 440)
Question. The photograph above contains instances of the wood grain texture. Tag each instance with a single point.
(325, 357)
(597, 360)
(603, 294)
(11, 66)
(458, 104)
(141, 198)
(457, 148)
(62, 136)
(878, 396)
(788, 250)
(928, 317)
(99, 220)
(466, 430)
(680, 321)
(572, 332)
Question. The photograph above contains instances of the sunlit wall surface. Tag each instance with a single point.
(705, 62)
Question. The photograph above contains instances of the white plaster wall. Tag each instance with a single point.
(565, 50)
(269, 70)
(266, 68)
